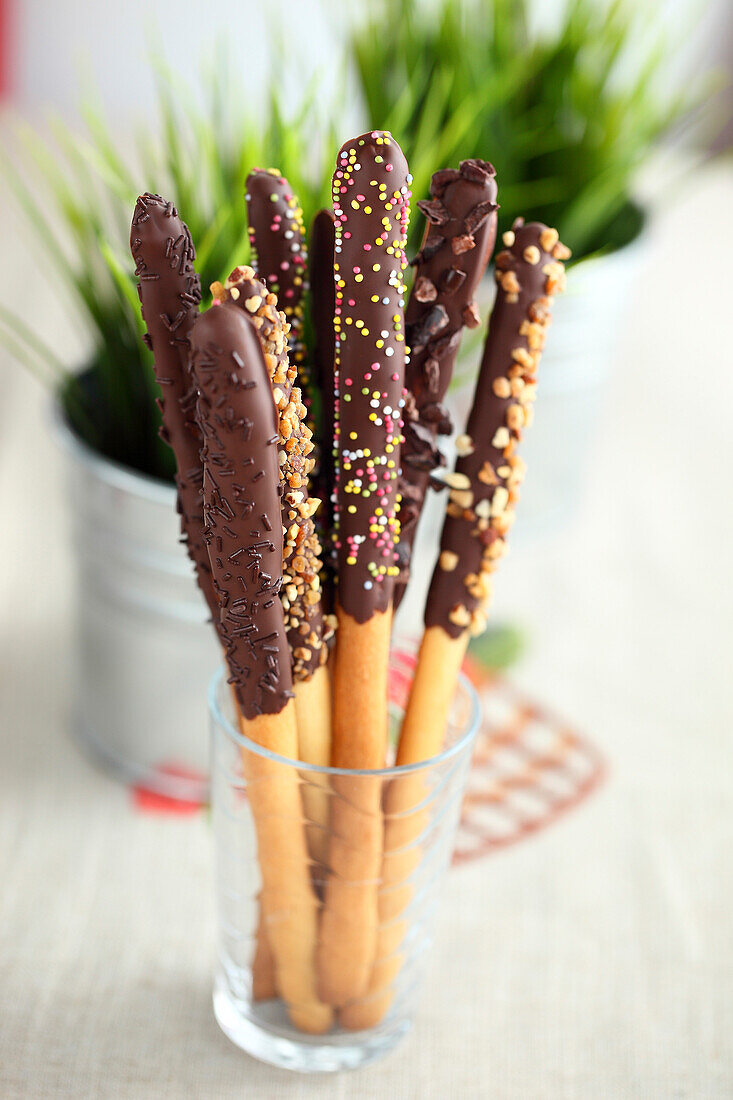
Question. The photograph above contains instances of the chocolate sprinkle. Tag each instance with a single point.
(228, 364)
(161, 246)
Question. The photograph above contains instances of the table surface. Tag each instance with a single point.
(593, 960)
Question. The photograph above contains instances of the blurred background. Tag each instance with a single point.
(610, 120)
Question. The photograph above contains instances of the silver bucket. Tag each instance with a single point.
(145, 651)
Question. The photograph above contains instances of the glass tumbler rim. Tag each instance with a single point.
(463, 741)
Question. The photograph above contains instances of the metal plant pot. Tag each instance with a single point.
(145, 652)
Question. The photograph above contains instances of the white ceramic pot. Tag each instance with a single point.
(145, 652)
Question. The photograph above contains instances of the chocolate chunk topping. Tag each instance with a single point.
(478, 215)
(434, 211)
(461, 244)
(455, 271)
(441, 179)
(424, 290)
(451, 280)
(429, 249)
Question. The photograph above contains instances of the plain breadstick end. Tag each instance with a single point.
(315, 1019)
(313, 712)
(431, 695)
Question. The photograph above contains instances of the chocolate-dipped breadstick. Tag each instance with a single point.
(370, 202)
(169, 293)
(279, 255)
(307, 627)
(242, 528)
(323, 304)
(485, 485)
(458, 242)
(483, 489)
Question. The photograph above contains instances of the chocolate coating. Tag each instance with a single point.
(370, 203)
(459, 239)
(279, 254)
(323, 302)
(242, 524)
(300, 592)
(485, 485)
(170, 292)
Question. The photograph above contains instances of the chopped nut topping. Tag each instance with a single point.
(253, 304)
(549, 238)
(454, 479)
(510, 283)
(501, 437)
(524, 358)
(464, 445)
(448, 561)
(532, 254)
(509, 238)
(459, 615)
(462, 497)
(499, 500)
(515, 417)
(486, 474)
(501, 387)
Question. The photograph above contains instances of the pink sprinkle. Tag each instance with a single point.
(352, 302)
(284, 265)
(396, 378)
(347, 234)
(361, 198)
(367, 248)
(348, 381)
(357, 270)
(375, 366)
(388, 167)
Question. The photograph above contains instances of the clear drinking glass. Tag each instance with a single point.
(411, 813)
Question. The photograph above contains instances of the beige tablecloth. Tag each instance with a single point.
(594, 960)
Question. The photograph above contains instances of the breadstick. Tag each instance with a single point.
(370, 189)
(489, 472)
(458, 242)
(170, 292)
(309, 630)
(484, 489)
(323, 304)
(243, 532)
